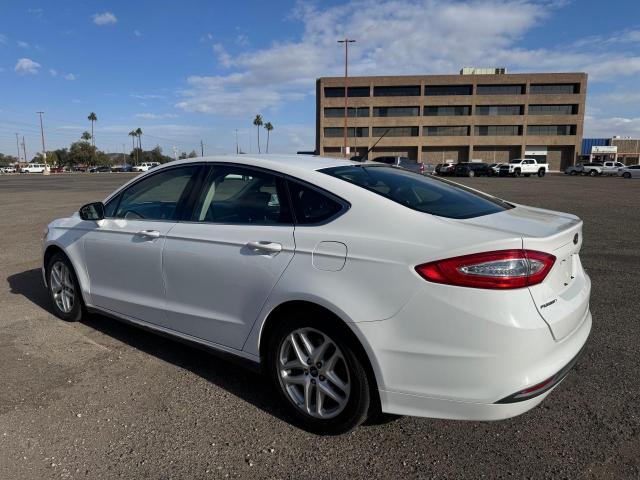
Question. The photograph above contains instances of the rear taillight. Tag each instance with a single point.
(502, 269)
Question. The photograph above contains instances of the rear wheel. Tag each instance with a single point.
(541, 172)
(516, 173)
(319, 376)
(626, 175)
(471, 173)
(573, 172)
(64, 289)
(593, 173)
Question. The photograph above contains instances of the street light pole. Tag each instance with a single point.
(346, 42)
(44, 152)
(18, 146)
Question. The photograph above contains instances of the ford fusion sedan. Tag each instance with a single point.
(356, 287)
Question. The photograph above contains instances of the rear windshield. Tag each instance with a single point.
(418, 192)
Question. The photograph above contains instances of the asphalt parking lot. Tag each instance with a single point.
(100, 399)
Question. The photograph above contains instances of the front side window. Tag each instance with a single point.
(239, 195)
(418, 192)
(156, 197)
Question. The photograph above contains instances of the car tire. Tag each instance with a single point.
(516, 173)
(300, 397)
(626, 175)
(593, 173)
(471, 174)
(573, 172)
(541, 172)
(64, 289)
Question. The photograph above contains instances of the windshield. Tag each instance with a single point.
(418, 192)
(515, 161)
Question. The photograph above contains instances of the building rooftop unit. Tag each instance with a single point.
(483, 71)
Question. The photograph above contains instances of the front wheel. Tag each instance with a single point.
(593, 173)
(471, 174)
(516, 173)
(626, 175)
(64, 289)
(319, 376)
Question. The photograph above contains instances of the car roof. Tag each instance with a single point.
(288, 164)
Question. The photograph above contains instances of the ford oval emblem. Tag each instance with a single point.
(575, 239)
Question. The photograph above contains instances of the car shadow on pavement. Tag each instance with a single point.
(238, 380)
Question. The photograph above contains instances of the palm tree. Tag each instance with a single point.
(139, 134)
(86, 136)
(258, 123)
(133, 136)
(92, 118)
(268, 127)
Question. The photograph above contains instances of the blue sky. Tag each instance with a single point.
(186, 71)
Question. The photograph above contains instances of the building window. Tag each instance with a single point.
(397, 91)
(447, 111)
(498, 130)
(338, 112)
(353, 92)
(338, 132)
(446, 131)
(551, 130)
(440, 90)
(553, 109)
(500, 89)
(395, 131)
(499, 109)
(396, 111)
(554, 88)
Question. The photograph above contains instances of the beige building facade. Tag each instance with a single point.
(436, 118)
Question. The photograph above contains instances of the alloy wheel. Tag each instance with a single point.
(313, 373)
(62, 287)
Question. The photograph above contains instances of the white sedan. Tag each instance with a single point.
(356, 287)
(630, 171)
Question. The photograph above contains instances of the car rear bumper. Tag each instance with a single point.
(461, 365)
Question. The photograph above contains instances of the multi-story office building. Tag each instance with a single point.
(471, 116)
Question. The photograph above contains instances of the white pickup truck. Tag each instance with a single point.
(523, 166)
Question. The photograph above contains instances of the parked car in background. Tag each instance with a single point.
(630, 171)
(523, 166)
(57, 169)
(473, 169)
(479, 309)
(611, 167)
(77, 168)
(404, 162)
(143, 167)
(446, 168)
(100, 169)
(495, 167)
(593, 169)
(33, 168)
(122, 168)
(8, 169)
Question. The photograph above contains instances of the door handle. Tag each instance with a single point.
(270, 247)
(148, 234)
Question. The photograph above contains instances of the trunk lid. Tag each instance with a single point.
(562, 300)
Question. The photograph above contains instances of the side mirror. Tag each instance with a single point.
(92, 211)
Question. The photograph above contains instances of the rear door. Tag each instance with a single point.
(221, 265)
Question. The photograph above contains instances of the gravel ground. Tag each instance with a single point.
(100, 399)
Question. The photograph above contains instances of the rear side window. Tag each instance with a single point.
(311, 206)
(418, 192)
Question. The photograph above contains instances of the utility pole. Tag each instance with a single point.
(18, 146)
(24, 149)
(346, 42)
(201, 148)
(44, 151)
(237, 148)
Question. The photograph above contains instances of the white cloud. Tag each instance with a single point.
(70, 76)
(22, 44)
(105, 18)
(137, 33)
(397, 37)
(606, 127)
(27, 66)
(53, 72)
(3, 39)
(141, 96)
(242, 40)
(154, 116)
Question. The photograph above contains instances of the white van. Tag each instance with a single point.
(33, 168)
(143, 167)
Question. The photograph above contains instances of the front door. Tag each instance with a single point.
(221, 266)
(124, 254)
